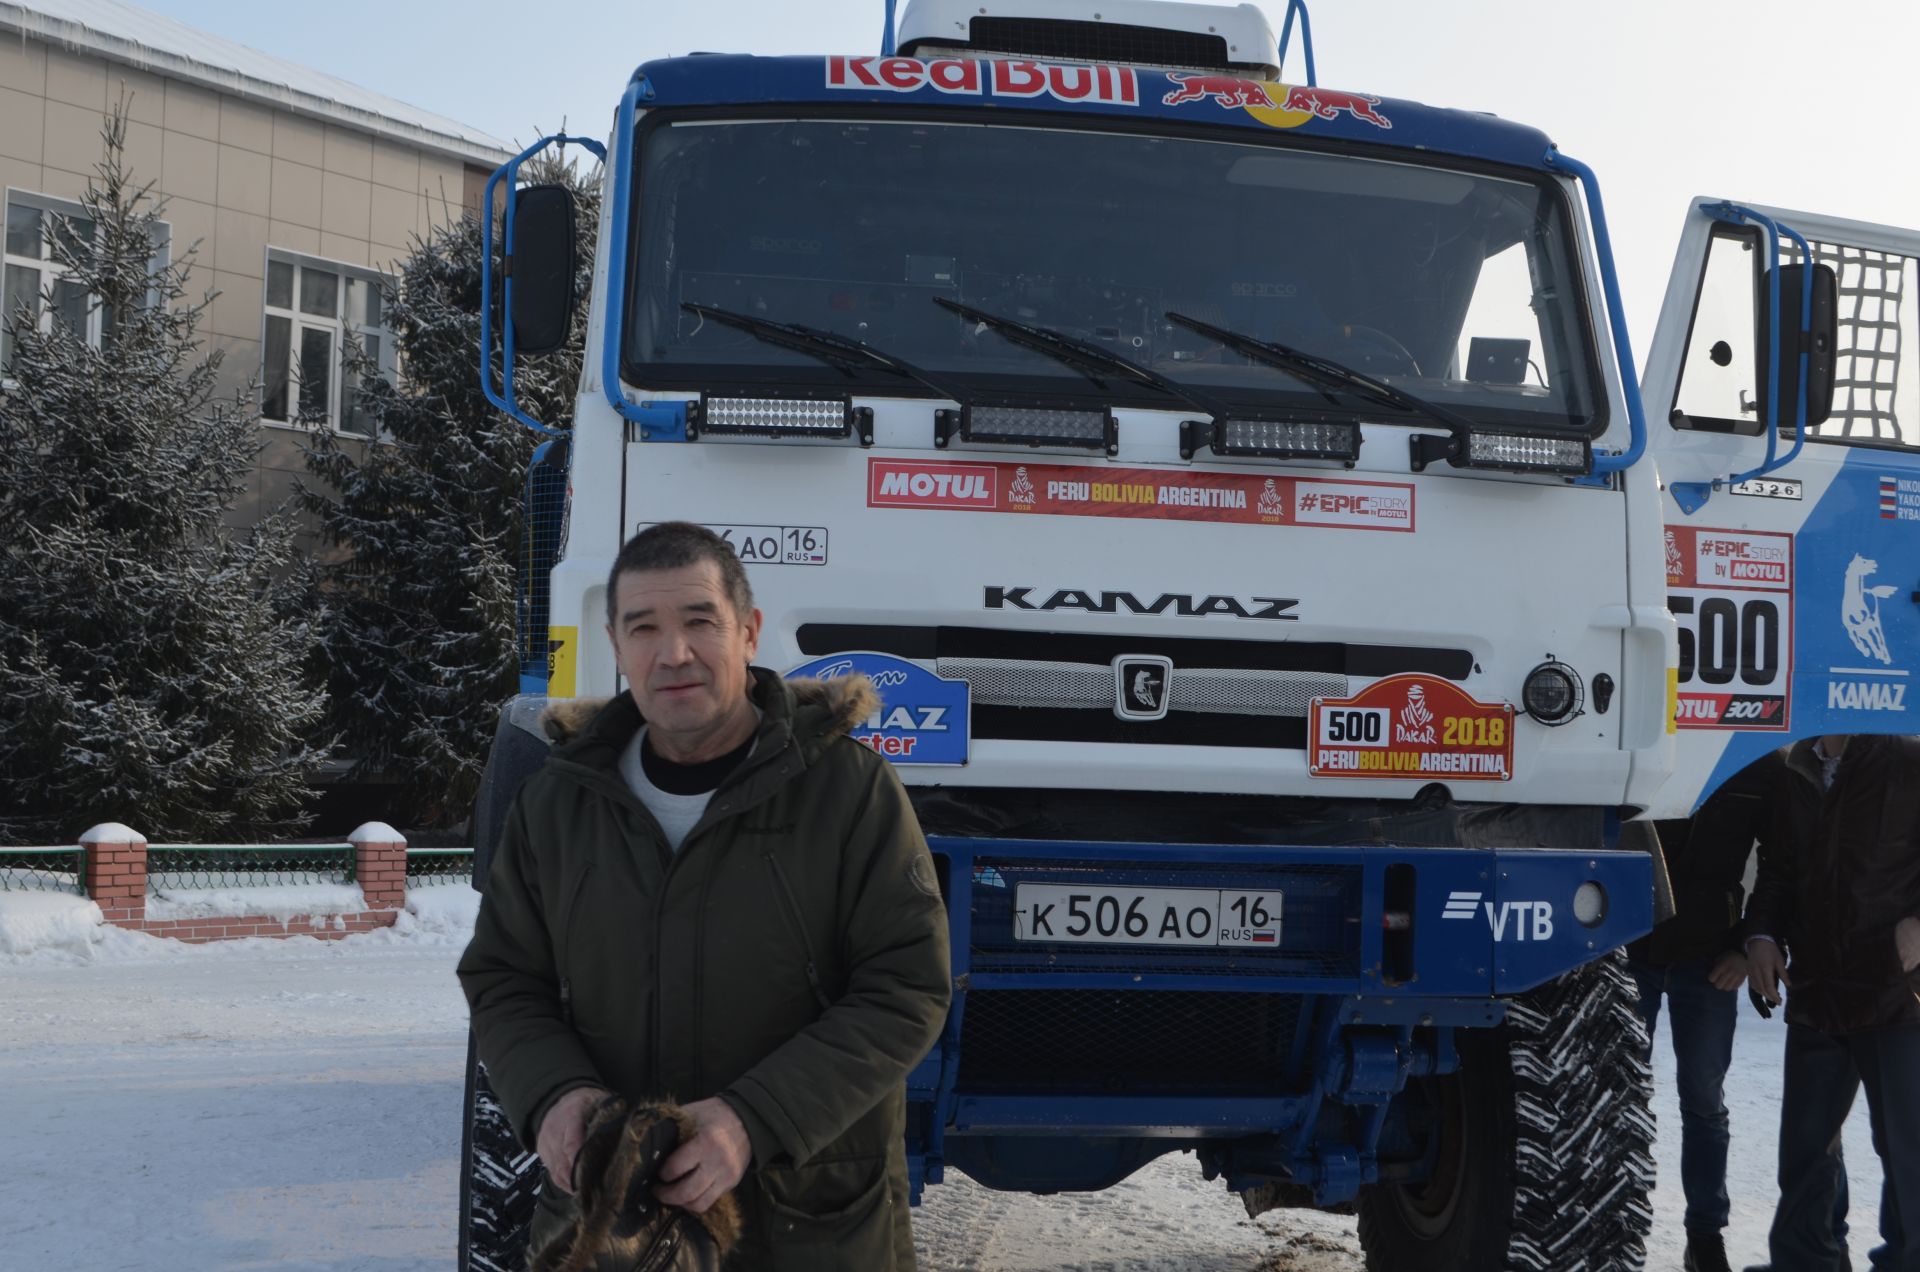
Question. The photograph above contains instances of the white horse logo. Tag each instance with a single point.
(1860, 609)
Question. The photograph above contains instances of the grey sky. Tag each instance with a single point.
(1792, 104)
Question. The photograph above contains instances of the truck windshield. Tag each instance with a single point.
(1460, 287)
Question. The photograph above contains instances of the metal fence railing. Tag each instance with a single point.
(427, 866)
(43, 870)
(199, 866)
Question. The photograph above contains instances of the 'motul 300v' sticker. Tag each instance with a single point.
(1414, 727)
(1731, 593)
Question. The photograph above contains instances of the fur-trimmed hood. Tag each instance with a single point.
(826, 707)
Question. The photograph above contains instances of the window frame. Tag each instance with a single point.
(50, 269)
(341, 325)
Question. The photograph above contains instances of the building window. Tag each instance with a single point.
(31, 277)
(313, 310)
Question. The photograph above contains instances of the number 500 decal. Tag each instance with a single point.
(1730, 591)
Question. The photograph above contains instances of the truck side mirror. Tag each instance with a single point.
(540, 266)
(1821, 343)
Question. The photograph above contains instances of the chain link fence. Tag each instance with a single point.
(427, 866)
(191, 866)
(43, 870)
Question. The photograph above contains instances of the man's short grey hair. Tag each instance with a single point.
(673, 545)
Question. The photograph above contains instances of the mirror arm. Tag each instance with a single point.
(509, 172)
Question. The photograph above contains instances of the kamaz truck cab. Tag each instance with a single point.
(1238, 492)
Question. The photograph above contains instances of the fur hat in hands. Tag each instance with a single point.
(618, 1224)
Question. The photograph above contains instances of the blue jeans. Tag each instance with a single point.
(1702, 1020)
(1824, 1073)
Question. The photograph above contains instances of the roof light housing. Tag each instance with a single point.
(1503, 452)
(830, 418)
(1084, 428)
(1272, 439)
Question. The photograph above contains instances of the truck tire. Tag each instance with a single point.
(499, 1182)
(1545, 1142)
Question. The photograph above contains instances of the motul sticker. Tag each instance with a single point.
(1411, 727)
(931, 484)
(1066, 490)
(1731, 592)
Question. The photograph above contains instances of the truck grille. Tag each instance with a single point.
(1059, 686)
(1128, 1041)
(1221, 690)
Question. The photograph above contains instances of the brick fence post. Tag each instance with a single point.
(117, 873)
(380, 863)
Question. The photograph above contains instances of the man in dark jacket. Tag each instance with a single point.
(1841, 926)
(713, 894)
(1695, 960)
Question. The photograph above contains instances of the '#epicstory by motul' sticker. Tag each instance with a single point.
(1067, 490)
(1414, 727)
(1731, 592)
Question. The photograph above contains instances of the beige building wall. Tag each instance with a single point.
(237, 178)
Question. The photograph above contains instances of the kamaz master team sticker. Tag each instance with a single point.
(922, 719)
(1731, 592)
(1411, 726)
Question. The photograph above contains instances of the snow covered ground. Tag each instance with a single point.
(295, 1104)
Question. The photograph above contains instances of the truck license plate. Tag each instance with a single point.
(1146, 916)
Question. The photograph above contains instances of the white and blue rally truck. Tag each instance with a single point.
(1287, 617)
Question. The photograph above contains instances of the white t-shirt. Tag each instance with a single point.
(677, 814)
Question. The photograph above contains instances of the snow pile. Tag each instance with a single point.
(441, 915)
(274, 901)
(63, 929)
(46, 920)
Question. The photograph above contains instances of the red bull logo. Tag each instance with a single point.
(1327, 103)
(1278, 105)
(1225, 90)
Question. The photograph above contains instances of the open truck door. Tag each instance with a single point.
(1791, 471)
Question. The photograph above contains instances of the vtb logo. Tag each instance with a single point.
(1526, 920)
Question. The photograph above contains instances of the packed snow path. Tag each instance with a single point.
(296, 1105)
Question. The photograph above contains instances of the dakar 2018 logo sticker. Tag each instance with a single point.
(1020, 489)
(1416, 722)
(1270, 505)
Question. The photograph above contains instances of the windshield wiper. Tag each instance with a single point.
(1324, 372)
(837, 351)
(1088, 359)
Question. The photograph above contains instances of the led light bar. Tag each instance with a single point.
(1272, 439)
(779, 417)
(1507, 452)
(1087, 429)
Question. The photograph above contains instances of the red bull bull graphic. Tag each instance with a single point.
(1327, 103)
(1276, 105)
(1004, 77)
(1413, 727)
(1225, 90)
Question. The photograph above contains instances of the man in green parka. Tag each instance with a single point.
(711, 894)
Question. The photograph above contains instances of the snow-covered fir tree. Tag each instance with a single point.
(149, 670)
(417, 604)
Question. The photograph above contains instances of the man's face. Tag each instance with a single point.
(683, 650)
